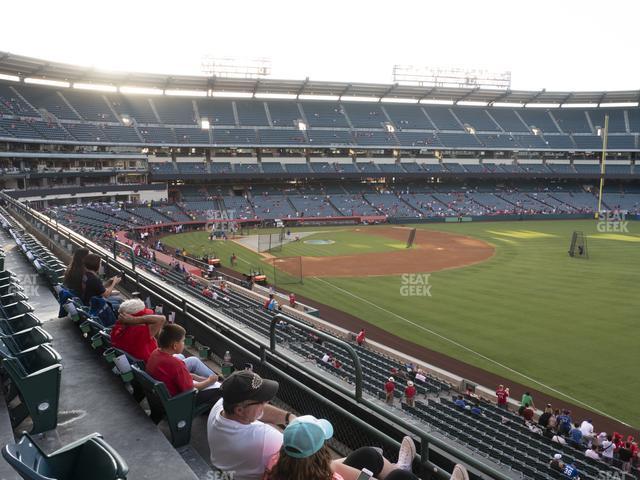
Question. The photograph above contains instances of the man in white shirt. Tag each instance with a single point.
(586, 427)
(239, 429)
(607, 449)
(591, 453)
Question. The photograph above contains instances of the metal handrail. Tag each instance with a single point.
(324, 336)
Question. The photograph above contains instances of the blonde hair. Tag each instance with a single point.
(313, 467)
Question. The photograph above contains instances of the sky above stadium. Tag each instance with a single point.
(557, 45)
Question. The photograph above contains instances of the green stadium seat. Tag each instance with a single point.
(87, 458)
(35, 377)
(15, 309)
(178, 410)
(23, 340)
(12, 297)
(19, 323)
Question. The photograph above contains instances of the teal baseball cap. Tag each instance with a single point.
(306, 435)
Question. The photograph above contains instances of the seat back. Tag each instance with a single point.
(30, 338)
(38, 358)
(19, 323)
(15, 309)
(96, 460)
(26, 458)
(155, 391)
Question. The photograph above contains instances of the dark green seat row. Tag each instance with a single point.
(87, 458)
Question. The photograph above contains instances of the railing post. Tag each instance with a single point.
(303, 326)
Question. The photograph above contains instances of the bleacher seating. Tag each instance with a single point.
(133, 107)
(284, 114)
(48, 99)
(365, 115)
(251, 113)
(175, 111)
(477, 119)
(442, 118)
(324, 114)
(408, 117)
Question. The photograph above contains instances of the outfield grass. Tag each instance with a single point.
(570, 326)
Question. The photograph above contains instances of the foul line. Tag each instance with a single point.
(484, 357)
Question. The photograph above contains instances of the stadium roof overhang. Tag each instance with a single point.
(29, 67)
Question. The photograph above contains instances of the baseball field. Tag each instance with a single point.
(502, 296)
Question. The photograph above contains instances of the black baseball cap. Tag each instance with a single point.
(245, 385)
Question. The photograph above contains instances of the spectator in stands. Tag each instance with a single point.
(586, 427)
(73, 276)
(556, 463)
(575, 436)
(136, 329)
(558, 439)
(475, 408)
(389, 389)
(527, 400)
(571, 471)
(625, 454)
(528, 413)
(305, 455)
(239, 429)
(292, 300)
(607, 448)
(543, 421)
(410, 394)
(459, 402)
(591, 453)
(92, 286)
(564, 422)
(502, 395)
(164, 366)
(361, 337)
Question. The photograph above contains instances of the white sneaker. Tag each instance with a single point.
(406, 454)
(459, 473)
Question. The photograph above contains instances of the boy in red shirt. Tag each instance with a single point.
(503, 397)
(360, 337)
(172, 371)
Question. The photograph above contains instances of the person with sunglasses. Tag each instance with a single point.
(240, 428)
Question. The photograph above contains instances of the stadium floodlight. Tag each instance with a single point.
(276, 96)
(231, 94)
(541, 105)
(51, 83)
(318, 97)
(95, 86)
(472, 103)
(579, 105)
(186, 93)
(141, 90)
(619, 104)
(11, 78)
(398, 100)
(347, 98)
(433, 101)
(204, 124)
(507, 104)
